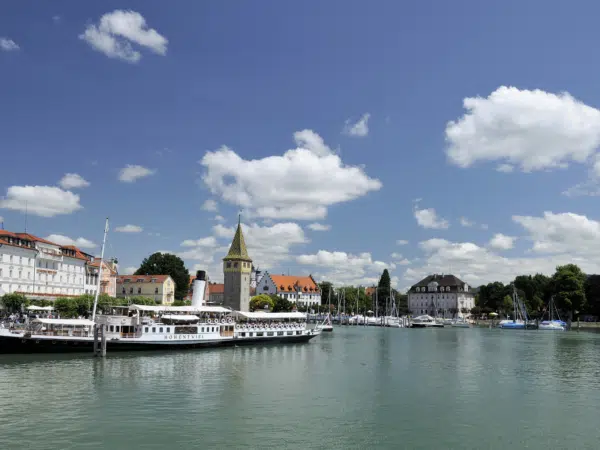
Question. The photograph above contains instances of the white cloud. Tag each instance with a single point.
(8, 45)
(343, 268)
(128, 270)
(129, 229)
(358, 129)
(73, 181)
(562, 233)
(65, 240)
(117, 30)
(502, 242)
(466, 222)
(301, 184)
(427, 218)
(210, 205)
(484, 226)
(319, 227)
(506, 168)
(1, 219)
(219, 218)
(56, 18)
(210, 241)
(533, 130)
(44, 201)
(131, 173)
(401, 242)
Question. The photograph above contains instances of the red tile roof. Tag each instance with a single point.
(78, 253)
(145, 278)
(370, 291)
(96, 263)
(216, 288)
(291, 283)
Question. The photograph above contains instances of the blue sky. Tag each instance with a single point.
(398, 119)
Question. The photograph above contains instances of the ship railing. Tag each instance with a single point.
(130, 335)
(73, 333)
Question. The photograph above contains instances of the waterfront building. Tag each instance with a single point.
(161, 288)
(237, 268)
(438, 295)
(39, 268)
(108, 284)
(302, 290)
(216, 293)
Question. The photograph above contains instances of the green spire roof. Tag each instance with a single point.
(238, 247)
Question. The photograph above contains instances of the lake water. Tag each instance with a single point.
(356, 388)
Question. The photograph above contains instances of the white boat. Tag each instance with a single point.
(327, 326)
(159, 328)
(460, 323)
(519, 321)
(552, 324)
(425, 321)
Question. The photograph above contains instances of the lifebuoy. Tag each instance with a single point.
(208, 320)
(229, 320)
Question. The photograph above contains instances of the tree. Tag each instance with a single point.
(384, 289)
(14, 302)
(592, 295)
(507, 304)
(167, 264)
(326, 290)
(140, 300)
(568, 287)
(66, 307)
(281, 304)
(259, 302)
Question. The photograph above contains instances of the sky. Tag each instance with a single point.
(419, 136)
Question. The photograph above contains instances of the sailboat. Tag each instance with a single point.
(552, 324)
(519, 321)
(327, 325)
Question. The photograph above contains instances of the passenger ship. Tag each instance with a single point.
(160, 328)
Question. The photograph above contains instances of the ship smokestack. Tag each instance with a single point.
(198, 289)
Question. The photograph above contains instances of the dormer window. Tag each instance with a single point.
(140, 280)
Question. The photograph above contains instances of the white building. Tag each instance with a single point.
(40, 268)
(300, 290)
(439, 295)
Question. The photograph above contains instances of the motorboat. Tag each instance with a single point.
(425, 321)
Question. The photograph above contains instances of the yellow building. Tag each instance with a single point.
(159, 287)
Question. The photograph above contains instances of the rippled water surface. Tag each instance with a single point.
(357, 388)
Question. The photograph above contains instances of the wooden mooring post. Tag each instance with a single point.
(100, 335)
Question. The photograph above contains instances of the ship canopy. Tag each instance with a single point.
(269, 315)
(180, 309)
(69, 322)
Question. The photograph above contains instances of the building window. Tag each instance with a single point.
(139, 290)
(156, 290)
(123, 290)
(10, 273)
(235, 265)
(265, 288)
(131, 290)
(228, 265)
(11, 258)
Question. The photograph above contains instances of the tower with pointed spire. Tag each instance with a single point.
(237, 268)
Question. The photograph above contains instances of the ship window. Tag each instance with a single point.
(168, 329)
(112, 328)
(260, 333)
(243, 334)
(290, 333)
(160, 330)
(298, 332)
(280, 333)
(154, 329)
(145, 329)
(202, 330)
(117, 328)
(269, 333)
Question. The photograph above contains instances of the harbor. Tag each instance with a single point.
(355, 388)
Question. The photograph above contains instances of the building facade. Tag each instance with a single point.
(237, 269)
(108, 283)
(304, 291)
(39, 268)
(440, 295)
(161, 288)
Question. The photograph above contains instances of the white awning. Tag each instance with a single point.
(186, 317)
(270, 316)
(71, 322)
(40, 308)
(181, 309)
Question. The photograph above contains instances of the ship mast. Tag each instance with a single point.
(100, 272)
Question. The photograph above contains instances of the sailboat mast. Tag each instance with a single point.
(100, 271)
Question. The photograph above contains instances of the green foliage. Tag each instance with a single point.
(66, 307)
(140, 300)
(167, 264)
(568, 287)
(507, 304)
(281, 304)
(14, 302)
(384, 289)
(326, 290)
(592, 295)
(258, 302)
(182, 303)
(476, 311)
